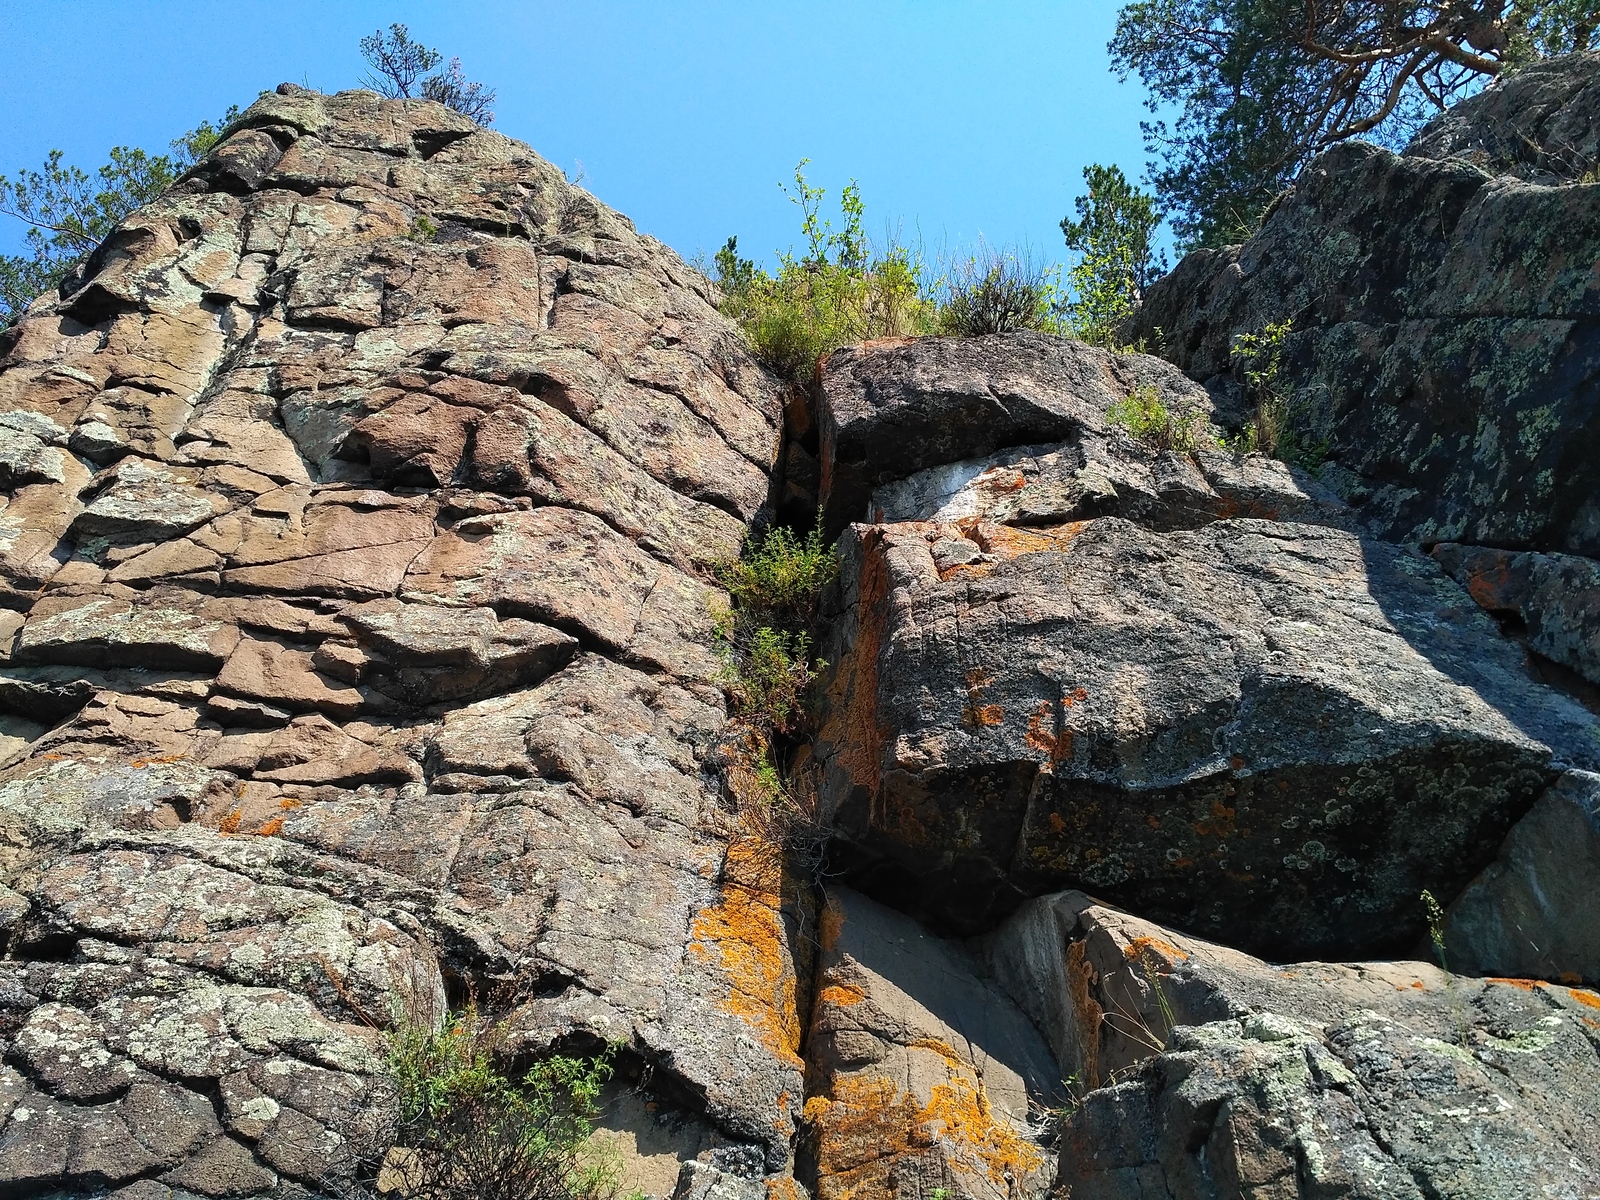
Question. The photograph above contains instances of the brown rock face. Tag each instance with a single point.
(359, 502)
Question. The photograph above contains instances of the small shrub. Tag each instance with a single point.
(769, 672)
(1148, 419)
(1286, 426)
(842, 291)
(780, 576)
(422, 229)
(465, 1131)
(998, 293)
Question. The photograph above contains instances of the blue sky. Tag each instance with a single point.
(960, 119)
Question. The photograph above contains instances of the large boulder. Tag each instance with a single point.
(1273, 732)
(1199, 1071)
(361, 496)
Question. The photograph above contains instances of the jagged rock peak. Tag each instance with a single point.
(357, 657)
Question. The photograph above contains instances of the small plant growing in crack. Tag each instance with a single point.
(765, 640)
(463, 1128)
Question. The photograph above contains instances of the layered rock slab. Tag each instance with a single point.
(1204, 1072)
(362, 491)
(1274, 731)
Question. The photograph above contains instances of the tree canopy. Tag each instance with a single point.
(399, 70)
(1262, 85)
(69, 212)
(1116, 262)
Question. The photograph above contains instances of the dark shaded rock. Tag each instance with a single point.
(888, 410)
(1277, 734)
(1532, 911)
(1446, 317)
(1555, 598)
(1539, 122)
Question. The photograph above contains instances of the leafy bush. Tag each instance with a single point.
(999, 293)
(842, 291)
(1148, 419)
(766, 635)
(1286, 426)
(465, 1131)
(780, 576)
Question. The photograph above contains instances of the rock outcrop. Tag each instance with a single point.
(358, 659)
(1078, 664)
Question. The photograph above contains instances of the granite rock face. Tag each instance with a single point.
(1204, 1072)
(353, 563)
(1272, 731)
(1445, 338)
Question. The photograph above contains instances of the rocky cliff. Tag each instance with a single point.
(360, 664)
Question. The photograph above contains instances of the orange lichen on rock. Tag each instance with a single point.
(1135, 950)
(1523, 985)
(1009, 541)
(1081, 980)
(841, 995)
(867, 1126)
(743, 934)
(230, 823)
(850, 726)
(157, 760)
(1584, 997)
(272, 828)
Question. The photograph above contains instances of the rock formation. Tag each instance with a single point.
(359, 663)
(359, 657)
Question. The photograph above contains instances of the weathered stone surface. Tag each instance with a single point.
(1555, 598)
(1274, 733)
(375, 651)
(1210, 1073)
(1444, 305)
(889, 410)
(1532, 911)
(926, 1075)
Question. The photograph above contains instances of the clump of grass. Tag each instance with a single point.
(1435, 916)
(465, 1130)
(422, 230)
(843, 290)
(991, 292)
(1147, 418)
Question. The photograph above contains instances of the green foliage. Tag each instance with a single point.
(69, 212)
(766, 636)
(1286, 426)
(399, 70)
(1116, 262)
(780, 576)
(1262, 85)
(992, 292)
(422, 229)
(1435, 916)
(1147, 418)
(469, 1131)
(843, 290)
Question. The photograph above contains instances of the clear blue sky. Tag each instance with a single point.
(960, 119)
